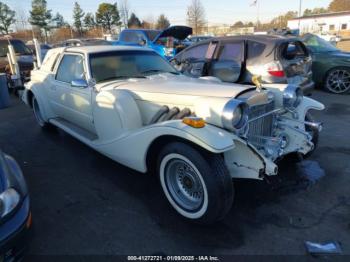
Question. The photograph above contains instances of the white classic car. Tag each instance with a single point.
(131, 105)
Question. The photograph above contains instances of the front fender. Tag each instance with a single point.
(308, 104)
(35, 89)
(131, 149)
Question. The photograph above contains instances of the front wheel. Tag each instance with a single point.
(197, 184)
(338, 80)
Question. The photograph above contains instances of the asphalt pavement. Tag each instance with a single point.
(84, 203)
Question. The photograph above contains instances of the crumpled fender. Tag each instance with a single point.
(309, 103)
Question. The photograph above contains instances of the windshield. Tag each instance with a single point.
(19, 47)
(127, 64)
(317, 44)
(152, 34)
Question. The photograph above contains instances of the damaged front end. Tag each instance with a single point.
(275, 127)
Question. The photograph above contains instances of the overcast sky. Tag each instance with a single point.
(217, 11)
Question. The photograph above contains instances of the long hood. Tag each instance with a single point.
(183, 85)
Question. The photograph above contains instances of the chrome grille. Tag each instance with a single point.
(261, 128)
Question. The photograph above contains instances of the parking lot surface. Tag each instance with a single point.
(84, 203)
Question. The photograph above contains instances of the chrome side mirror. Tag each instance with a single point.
(80, 83)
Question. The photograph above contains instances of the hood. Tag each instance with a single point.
(183, 85)
(178, 32)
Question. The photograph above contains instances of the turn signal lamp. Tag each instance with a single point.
(195, 122)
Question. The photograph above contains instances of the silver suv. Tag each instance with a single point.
(277, 59)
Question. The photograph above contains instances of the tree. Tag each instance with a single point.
(134, 21)
(162, 22)
(196, 16)
(124, 12)
(238, 24)
(59, 20)
(315, 11)
(89, 21)
(339, 5)
(107, 16)
(7, 18)
(40, 16)
(78, 14)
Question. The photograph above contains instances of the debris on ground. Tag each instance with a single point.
(310, 170)
(332, 247)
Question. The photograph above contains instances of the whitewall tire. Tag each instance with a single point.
(196, 184)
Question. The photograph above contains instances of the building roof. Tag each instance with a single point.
(103, 48)
(344, 13)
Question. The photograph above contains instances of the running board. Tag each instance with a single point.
(79, 133)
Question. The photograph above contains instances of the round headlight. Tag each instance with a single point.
(9, 199)
(235, 114)
(292, 96)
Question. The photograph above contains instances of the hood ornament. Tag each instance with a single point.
(257, 82)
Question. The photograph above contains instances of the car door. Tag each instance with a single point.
(192, 60)
(227, 66)
(69, 102)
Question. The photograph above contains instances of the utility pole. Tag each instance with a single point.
(300, 6)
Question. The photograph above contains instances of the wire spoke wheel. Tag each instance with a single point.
(338, 81)
(184, 185)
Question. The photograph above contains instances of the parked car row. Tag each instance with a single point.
(302, 61)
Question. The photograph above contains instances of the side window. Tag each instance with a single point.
(232, 52)
(70, 68)
(293, 50)
(3, 48)
(255, 49)
(197, 52)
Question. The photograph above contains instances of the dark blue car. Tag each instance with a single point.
(15, 216)
(167, 43)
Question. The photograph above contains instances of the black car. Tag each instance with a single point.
(24, 58)
(236, 59)
(15, 216)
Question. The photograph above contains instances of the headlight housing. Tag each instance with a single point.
(12, 184)
(292, 97)
(235, 115)
(9, 199)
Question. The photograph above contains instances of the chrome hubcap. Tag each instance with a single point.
(184, 185)
(338, 81)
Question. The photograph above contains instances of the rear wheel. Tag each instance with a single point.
(197, 184)
(38, 114)
(338, 80)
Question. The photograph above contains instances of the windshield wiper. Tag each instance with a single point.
(158, 71)
(120, 77)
